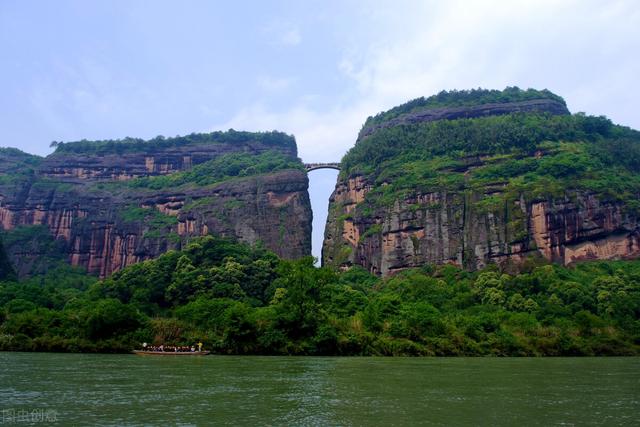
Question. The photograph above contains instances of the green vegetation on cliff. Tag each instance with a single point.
(38, 250)
(17, 167)
(243, 300)
(13, 160)
(535, 155)
(129, 145)
(463, 98)
(223, 168)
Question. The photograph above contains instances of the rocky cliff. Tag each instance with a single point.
(109, 204)
(497, 187)
(441, 227)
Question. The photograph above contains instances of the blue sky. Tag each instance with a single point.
(109, 69)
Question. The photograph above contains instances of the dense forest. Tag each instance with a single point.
(238, 299)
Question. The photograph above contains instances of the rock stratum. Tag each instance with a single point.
(504, 177)
(108, 204)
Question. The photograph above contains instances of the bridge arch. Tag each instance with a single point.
(313, 166)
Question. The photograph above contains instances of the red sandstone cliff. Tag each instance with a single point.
(104, 228)
(479, 183)
(442, 227)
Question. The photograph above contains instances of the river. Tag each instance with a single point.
(77, 389)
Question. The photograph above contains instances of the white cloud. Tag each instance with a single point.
(583, 50)
(571, 47)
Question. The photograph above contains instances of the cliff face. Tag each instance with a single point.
(441, 227)
(100, 219)
(147, 160)
(494, 189)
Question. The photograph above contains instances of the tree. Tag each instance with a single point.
(299, 310)
(186, 280)
(6, 269)
(109, 317)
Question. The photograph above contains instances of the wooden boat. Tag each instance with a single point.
(170, 353)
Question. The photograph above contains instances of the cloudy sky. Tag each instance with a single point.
(109, 69)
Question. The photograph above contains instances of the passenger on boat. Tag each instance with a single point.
(173, 348)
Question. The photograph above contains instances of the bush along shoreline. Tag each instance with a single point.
(238, 299)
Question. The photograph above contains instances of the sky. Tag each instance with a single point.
(72, 70)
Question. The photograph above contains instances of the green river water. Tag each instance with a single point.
(83, 389)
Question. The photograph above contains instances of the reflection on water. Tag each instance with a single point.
(134, 390)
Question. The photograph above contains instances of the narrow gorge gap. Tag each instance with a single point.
(321, 185)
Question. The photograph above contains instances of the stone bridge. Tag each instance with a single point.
(313, 166)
